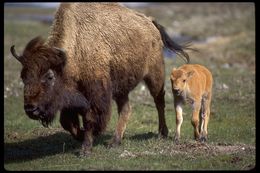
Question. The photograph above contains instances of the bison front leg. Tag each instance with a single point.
(124, 111)
(95, 120)
(88, 124)
(69, 120)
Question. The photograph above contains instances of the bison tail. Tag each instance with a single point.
(170, 44)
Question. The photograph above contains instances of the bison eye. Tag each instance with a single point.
(184, 80)
(48, 76)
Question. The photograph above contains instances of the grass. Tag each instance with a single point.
(232, 135)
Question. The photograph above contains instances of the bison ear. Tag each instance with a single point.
(34, 44)
(59, 60)
(60, 55)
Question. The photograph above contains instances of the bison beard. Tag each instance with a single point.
(65, 99)
(47, 116)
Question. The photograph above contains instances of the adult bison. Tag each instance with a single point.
(95, 52)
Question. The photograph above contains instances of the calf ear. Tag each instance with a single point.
(174, 68)
(189, 74)
(171, 78)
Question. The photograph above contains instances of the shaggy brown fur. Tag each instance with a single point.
(95, 52)
(192, 83)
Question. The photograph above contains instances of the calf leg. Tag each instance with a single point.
(69, 120)
(179, 120)
(124, 112)
(204, 132)
(195, 119)
(202, 118)
(204, 128)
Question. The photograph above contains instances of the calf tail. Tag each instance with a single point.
(170, 44)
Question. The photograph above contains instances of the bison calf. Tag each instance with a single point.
(192, 83)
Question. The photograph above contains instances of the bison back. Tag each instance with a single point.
(108, 41)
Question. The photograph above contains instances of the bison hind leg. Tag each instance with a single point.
(155, 84)
(124, 112)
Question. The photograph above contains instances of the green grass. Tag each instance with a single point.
(231, 144)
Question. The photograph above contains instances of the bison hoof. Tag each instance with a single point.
(163, 133)
(85, 153)
(113, 143)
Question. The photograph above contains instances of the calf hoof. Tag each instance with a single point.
(202, 139)
(177, 141)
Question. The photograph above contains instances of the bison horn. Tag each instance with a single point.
(60, 50)
(14, 54)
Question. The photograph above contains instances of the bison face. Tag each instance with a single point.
(41, 75)
(40, 92)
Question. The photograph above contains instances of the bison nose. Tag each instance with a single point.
(31, 109)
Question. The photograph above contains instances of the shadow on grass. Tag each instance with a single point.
(144, 136)
(40, 147)
(58, 143)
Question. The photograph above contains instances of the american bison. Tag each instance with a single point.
(192, 83)
(95, 52)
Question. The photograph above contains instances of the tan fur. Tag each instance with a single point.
(97, 36)
(192, 83)
(111, 43)
(96, 48)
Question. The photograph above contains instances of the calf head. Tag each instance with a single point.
(179, 80)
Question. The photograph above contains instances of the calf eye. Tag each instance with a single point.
(184, 80)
